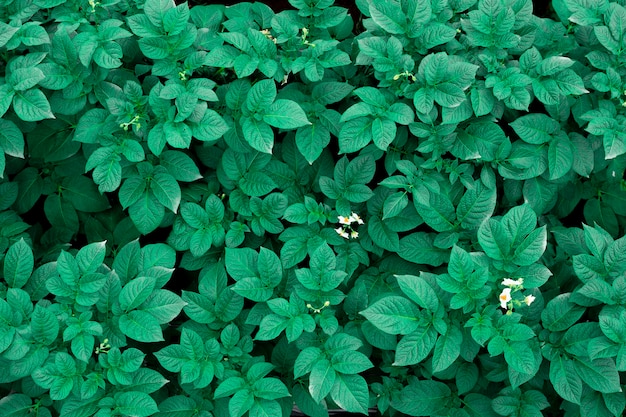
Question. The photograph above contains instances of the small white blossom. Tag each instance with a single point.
(354, 234)
(505, 297)
(344, 219)
(508, 282)
(355, 218)
(529, 299)
(341, 232)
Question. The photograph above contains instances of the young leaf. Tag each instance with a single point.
(393, 314)
(285, 114)
(141, 326)
(18, 264)
(351, 393)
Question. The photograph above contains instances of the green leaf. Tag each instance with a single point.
(285, 114)
(18, 264)
(163, 305)
(24, 78)
(560, 157)
(311, 141)
(136, 292)
(264, 408)
(476, 206)
(240, 403)
(351, 393)
(44, 326)
(135, 403)
(419, 291)
(270, 388)
(321, 380)
(180, 166)
(416, 346)
(141, 326)
(382, 235)
(520, 357)
(350, 362)
(11, 139)
(147, 213)
(560, 313)
(600, 374)
(393, 314)
(434, 397)
(355, 135)
(565, 379)
(419, 248)
(389, 16)
(261, 96)
(536, 128)
(32, 105)
(494, 240)
(83, 194)
(258, 134)
(256, 184)
(166, 190)
(447, 349)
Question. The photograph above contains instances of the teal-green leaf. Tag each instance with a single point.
(147, 213)
(393, 314)
(163, 305)
(285, 114)
(560, 313)
(32, 105)
(447, 349)
(258, 134)
(494, 240)
(141, 326)
(321, 379)
(256, 184)
(419, 248)
(351, 393)
(136, 292)
(419, 291)
(350, 362)
(265, 408)
(531, 248)
(389, 16)
(311, 141)
(261, 96)
(11, 139)
(560, 157)
(18, 264)
(44, 326)
(180, 166)
(382, 235)
(434, 397)
(600, 374)
(476, 205)
(536, 128)
(416, 346)
(355, 135)
(135, 403)
(166, 190)
(520, 357)
(565, 379)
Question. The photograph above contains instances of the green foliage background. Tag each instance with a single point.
(221, 211)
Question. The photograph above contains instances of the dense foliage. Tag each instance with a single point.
(220, 211)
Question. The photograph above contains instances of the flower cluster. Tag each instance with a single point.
(346, 231)
(512, 286)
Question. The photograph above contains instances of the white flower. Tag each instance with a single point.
(341, 232)
(355, 218)
(529, 299)
(508, 282)
(505, 297)
(344, 220)
(354, 234)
